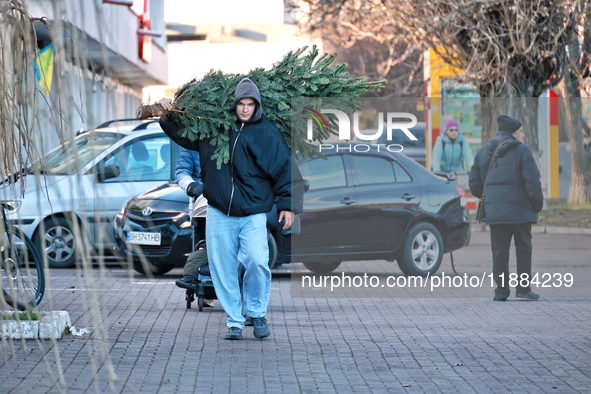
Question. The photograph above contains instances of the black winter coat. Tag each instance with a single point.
(259, 169)
(514, 192)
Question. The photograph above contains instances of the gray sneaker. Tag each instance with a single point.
(530, 296)
(234, 333)
(261, 330)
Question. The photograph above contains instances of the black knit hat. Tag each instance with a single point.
(508, 124)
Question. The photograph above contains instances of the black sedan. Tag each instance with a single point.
(366, 203)
(153, 230)
(359, 205)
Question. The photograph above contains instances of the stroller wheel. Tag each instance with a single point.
(190, 297)
(200, 301)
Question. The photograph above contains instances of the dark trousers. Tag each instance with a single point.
(500, 239)
(198, 258)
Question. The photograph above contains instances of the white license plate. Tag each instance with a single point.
(134, 237)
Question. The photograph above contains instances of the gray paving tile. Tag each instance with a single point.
(153, 344)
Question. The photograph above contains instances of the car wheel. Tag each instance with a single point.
(322, 268)
(423, 250)
(272, 250)
(150, 269)
(58, 243)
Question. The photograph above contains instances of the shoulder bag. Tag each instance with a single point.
(481, 212)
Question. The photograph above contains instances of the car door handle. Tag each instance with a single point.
(347, 201)
(407, 196)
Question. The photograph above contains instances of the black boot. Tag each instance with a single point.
(187, 283)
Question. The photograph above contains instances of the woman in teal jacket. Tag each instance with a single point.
(451, 152)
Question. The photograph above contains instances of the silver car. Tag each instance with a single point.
(413, 149)
(85, 182)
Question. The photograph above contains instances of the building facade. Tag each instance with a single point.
(113, 49)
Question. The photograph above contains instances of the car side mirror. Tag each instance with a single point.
(306, 185)
(108, 172)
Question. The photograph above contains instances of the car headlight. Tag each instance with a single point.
(125, 204)
(12, 206)
(186, 219)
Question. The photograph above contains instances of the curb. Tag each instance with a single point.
(52, 326)
(543, 229)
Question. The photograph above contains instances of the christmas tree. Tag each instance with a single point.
(202, 107)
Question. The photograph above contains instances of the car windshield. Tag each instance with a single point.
(69, 157)
(398, 137)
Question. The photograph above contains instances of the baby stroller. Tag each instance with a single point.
(205, 289)
(197, 263)
(197, 266)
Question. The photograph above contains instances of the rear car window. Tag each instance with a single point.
(142, 160)
(401, 174)
(371, 170)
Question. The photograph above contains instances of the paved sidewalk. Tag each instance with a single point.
(542, 229)
(328, 345)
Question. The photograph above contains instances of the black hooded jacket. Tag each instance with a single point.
(514, 192)
(259, 169)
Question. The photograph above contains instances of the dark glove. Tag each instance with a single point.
(195, 189)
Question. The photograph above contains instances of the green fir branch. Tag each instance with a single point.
(203, 106)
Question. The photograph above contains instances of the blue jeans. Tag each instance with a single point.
(232, 241)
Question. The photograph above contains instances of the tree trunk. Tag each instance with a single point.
(149, 111)
(525, 109)
(490, 109)
(570, 113)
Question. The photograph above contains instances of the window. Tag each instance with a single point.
(400, 138)
(401, 174)
(69, 157)
(322, 173)
(371, 170)
(158, 24)
(143, 160)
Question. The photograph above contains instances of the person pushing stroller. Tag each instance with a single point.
(239, 195)
(188, 176)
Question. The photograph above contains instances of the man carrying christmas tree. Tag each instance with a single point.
(239, 195)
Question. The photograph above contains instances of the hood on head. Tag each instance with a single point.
(502, 135)
(247, 89)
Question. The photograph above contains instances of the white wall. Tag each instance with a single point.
(86, 99)
(106, 23)
(228, 53)
(85, 102)
(202, 12)
(113, 25)
(190, 60)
